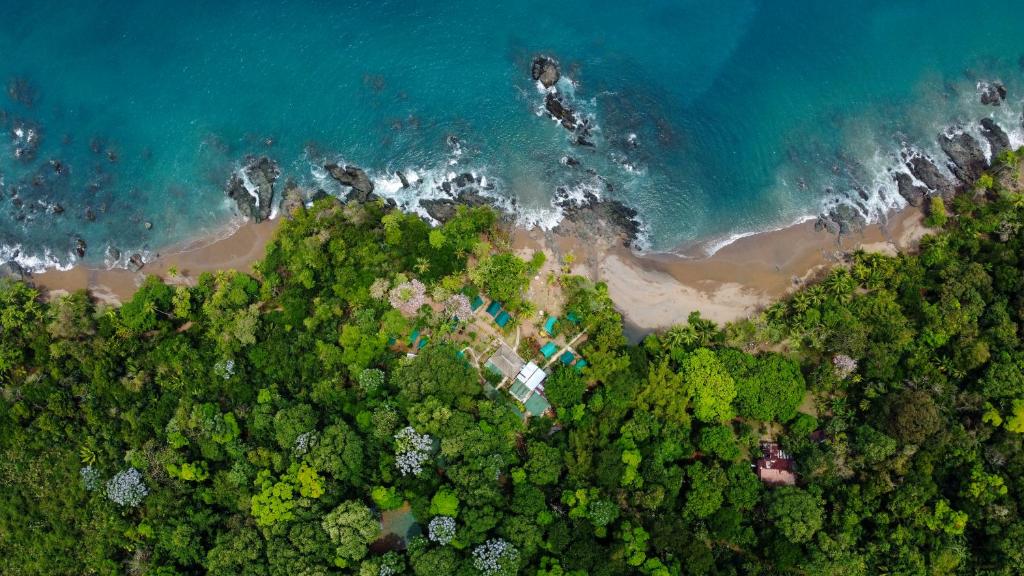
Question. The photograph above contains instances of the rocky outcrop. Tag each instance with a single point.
(80, 247)
(135, 262)
(444, 209)
(967, 159)
(991, 93)
(355, 178)
(841, 219)
(558, 110)
(252, 188)
(925, 170)
(912, 192)
(11, 270)
(998, 140)
(294, 201)
(586, 216)
(545, 70)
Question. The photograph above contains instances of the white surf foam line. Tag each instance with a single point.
(35, 263)
(711, 248)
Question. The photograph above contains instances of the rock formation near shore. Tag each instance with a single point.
(966, 158)
(589, 217)
(252, 188)
(924, 169)
(912, 192)
(991, 93)
(998, 139)
(355, 178)
(11, 270)
(545, 70)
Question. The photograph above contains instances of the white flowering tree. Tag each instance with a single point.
(441, 529)
(408, 297)
(90, 477)
(496, 556)
(844, 365)
(412, 450)
(126, 488)
(458, 305)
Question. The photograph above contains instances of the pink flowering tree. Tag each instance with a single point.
(408, 297)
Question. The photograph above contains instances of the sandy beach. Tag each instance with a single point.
(653, 291)
(238, 246)
(657, 291)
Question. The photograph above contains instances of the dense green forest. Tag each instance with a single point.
(266, 424)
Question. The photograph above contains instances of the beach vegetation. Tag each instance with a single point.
(285, 422)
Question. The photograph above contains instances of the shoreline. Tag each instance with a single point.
(651, 291)
(238, 249)
(657, 291)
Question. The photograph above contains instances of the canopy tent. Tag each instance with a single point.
(549, 350)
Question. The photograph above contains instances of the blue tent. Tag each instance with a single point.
(567, 358)
(412, 337)
(502, 319)
(549, 350)
(476, 303)
(549, 326)
(494, 308)
(581, 364)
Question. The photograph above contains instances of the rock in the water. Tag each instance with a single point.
(558, 110)
(355, 178)
(913, 193)
(967, 159)
(135, 262)
(252, 188)
(402, 178)
(545, 70)
(11, 270)
(113, 254)
(80, 247)
(90, 214)
(925, 170)
(991, 93)
(997, 138)
(57, 208)
(600, 217)
(147, 225)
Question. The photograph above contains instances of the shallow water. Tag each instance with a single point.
(747, 115)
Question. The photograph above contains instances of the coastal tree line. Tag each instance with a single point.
(269, 424)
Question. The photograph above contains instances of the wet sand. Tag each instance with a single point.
(237, 246)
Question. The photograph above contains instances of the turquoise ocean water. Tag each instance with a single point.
(746, 115)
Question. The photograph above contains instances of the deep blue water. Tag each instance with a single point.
(747, 115)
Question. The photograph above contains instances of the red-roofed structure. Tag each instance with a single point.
(775, 467)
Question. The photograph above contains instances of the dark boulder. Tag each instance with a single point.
(355, 178)
(997, 138)
(967, 159)
(261, 174)
(912, 192)
(135, 262)
(11, 270)
(991, 93)
(925, 170)
(80, 247)
(605, 218)
(545, 70)
(560, 111)
(402, 178)
(113, 254)
(90, 214)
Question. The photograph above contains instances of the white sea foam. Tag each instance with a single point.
(35, 263)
